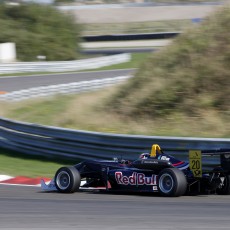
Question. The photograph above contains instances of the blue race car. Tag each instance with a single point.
(151, 172)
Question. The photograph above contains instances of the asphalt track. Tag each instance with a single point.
(146, 12)
(29, 208)
(9, 84)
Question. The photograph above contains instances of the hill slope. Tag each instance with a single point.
(188, 77)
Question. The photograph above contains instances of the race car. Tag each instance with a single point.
(151, 172)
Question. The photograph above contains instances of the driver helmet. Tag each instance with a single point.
(144, 156)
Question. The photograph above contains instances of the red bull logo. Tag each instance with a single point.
(135, 179)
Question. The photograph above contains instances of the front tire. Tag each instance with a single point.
(172, 182)
(67, 179)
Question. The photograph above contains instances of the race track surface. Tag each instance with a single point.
(29, 208)
(9, 84)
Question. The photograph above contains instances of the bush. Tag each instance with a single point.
(39, 30)
(189, 76)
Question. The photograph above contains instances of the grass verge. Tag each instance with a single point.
(16, 164)
(136, 60)
(87, 112)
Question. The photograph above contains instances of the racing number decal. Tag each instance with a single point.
(195, 162)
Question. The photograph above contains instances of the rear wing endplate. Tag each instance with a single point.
(195, 159)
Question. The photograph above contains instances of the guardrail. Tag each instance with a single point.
(59, 66)
(130, 37)
(74, 87)
(68, 143)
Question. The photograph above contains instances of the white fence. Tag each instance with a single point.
(49, 66)
(75, 87)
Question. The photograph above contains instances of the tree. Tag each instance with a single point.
(39, 30)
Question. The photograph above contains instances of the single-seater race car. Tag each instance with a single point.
(151, 172)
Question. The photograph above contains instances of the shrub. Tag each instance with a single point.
(39, 30)
(191, 75)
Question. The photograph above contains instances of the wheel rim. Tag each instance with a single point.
(166, 183)
(63, 180)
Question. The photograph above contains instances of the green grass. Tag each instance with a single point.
(18, 164)
(88, 112)
(136, 60)
(43, 113)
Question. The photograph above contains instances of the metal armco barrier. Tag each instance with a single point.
(70, 88)
(58, 66)
(68, 143)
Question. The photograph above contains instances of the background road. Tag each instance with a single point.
(29, 208)
(9, 84)
(140, 14)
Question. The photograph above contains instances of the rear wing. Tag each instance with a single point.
(215, 152)
(195, 159)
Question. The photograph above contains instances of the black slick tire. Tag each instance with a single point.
(67, 179)
(172, 182)
(225, 190)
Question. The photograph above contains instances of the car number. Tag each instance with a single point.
(195, 162)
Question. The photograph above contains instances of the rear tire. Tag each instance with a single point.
(67, 179)
(225, 190)
(172, 182)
